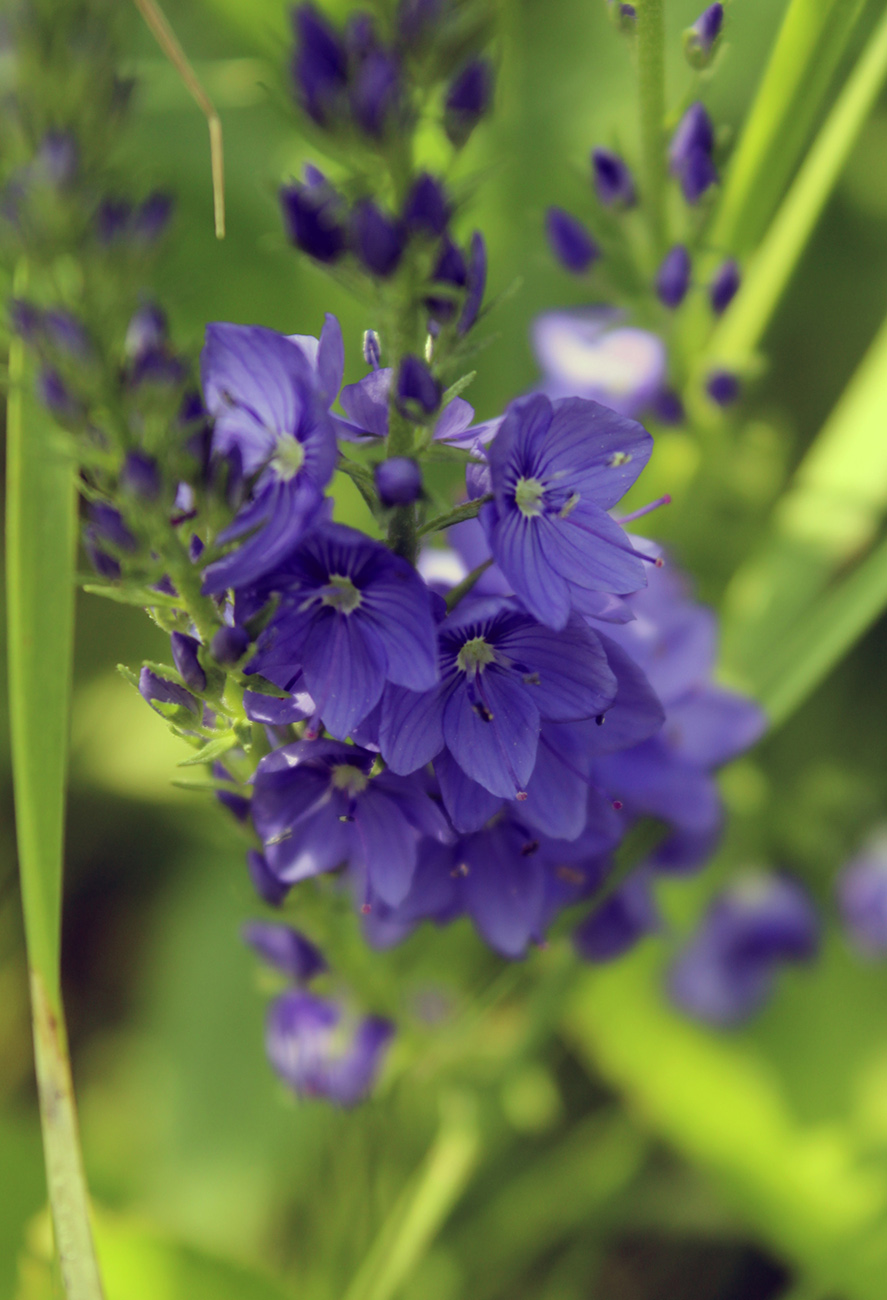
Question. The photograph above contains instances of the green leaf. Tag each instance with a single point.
(769, 270)
(457, 516)
(140, 596)
(830, 514)
(212, 750)
(40, 554)
(804, 58)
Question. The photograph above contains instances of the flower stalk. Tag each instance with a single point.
(651, 98)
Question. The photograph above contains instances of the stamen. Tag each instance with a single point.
(601, 719)
(645, 510)
(617, 805)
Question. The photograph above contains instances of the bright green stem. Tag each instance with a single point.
(742, 327)
(651, 92)
(40, 556)
(425, 1204)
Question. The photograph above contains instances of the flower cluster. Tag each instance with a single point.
(593, 350)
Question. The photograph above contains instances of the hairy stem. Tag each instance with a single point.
(651, 96)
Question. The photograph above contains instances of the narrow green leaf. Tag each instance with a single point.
(40, 555)
(140, 596)
(424, 1205)
(829, 515)
(734, 341)
(810, 43)
(212, 750)
(457, 516)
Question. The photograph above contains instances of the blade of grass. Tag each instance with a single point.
(827, 518)
(810, 43)
(734, 341)
(40, 555)
(423, 1206)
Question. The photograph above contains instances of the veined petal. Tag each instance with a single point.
(411, 727)
(636, 712)
(366, 402)
(399, 611)
(594, 451)
(387, 845)
(292, 510)
(503, 892)
(330, 358)
(499, 754)
(344, 667)
(589, 548)
(517, 546)
(468, 804)
(574, 678)
(712, 725)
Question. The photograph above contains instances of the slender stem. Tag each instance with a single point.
(40, 558)
(651, 95)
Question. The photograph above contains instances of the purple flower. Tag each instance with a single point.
(467, 100)
(699, 40)
(556, 469)
(184, 654)
(167, 698)
(501, 674)
(375, 91)
(314, 217)
(728, 970)
(475, 283)
(451, 271)
(398, 481)
(352, 616)
(320, 66)
(229, 645)
(673, 641)
(427, 209)
(317, 806)
(306, 1044)
(286, 949)
(418, 392)
(366, 405)
(690, 153)
(673, 276)
(619, 922)
(724, 286)
(722, 387)
(269, 887)
(583, 355)
(377, 239)
(270, 412)
(862, 898)
(151, 217)
(147, 331)
(570, 242)
(612, 179)
(141, 476)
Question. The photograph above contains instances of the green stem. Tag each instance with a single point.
(40, 561)
(461, 590)
(186, 579)
(651, 94)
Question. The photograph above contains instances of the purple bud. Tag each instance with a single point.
(375, 92)
(690, 153)
(140, 476)
(476, 283)
(166, 697)
(55, 395)
(450, 269)
(673, 276)
(698, 175)
(427, 209)
(184, 654)
(467, 100)
(699, 39)
(25, 319)
(109, 526)
(722, 387)
(614, 927)
(268, 886)
(152, 217)
(65, 332)
(724, 286)
(58, 157)
(612, 179)
(570, 242)
(312, 215)
(377, 239)
(398, 481)
(147, 331)
(622, 15)
(305, 1045)
(667, 407)
(417, 22)
(862, 898)
(229, 645)
(286, 949)
(417, 389)
(372, 349)
(112, 220)
(320, 66)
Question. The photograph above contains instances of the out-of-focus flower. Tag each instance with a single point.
(570, 242)
(724, 286)
(862, 898)
(286, 949)
(587, 353)
(613, 181)
(319, 1053)
(690, 153)
(673, 276)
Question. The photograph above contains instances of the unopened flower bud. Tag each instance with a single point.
(229, 645)
(398, 481)
(468, 99)
(377, 239)
(570, 242)
(700, 39)
(724, 286)
(184, 654)
(418, 392)
(613, 180)
(372, 349)
(722, 387)
(167, 698)
(141, 476)
(673, 276)
(286, 949)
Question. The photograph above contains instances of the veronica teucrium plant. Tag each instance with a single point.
(496, 703)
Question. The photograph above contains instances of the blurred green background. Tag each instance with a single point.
(567, 1134)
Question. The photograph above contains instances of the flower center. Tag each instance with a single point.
(528, 494)
(475, 655)
(288, 457)
(350, 779)
(342, 594)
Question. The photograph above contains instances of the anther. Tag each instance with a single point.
(526, 850)
(521, 796)
(601, 719)
(617, 804)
